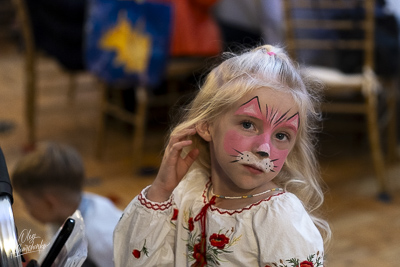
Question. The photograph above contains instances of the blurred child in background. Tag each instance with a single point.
(50, 183)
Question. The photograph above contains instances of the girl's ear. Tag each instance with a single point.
(203, 129)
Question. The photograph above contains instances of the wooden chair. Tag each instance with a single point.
(31, 64)
(176, 71)
(320, 26)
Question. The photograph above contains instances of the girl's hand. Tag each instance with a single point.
(173, 167)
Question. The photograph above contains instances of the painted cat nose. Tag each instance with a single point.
(263, 154)
(263, 150)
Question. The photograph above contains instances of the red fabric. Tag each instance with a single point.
(154, 206)
(194, 32)
(200, 254)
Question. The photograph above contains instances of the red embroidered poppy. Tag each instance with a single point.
(136, 253)
(219, 241)
(306, 264)
(199, 257)
(175, 215)
(196, 250)
(191, 224)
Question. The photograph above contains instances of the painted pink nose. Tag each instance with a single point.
(263, 150)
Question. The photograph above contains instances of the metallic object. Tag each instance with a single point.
(9, 249)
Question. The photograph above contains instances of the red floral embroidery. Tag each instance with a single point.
(313, 260)
(203, 250)
(175, 215)
(219, 240)
(306, 264)
(198, 256)
(136, 253)
(191, 224)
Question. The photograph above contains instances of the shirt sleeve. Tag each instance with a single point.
(287, 235)
(101, 217)
(145, 236)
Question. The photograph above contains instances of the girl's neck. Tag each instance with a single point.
(244, 200)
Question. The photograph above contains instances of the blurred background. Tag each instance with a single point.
(66, 78)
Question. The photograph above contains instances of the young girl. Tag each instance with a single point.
(238, 184)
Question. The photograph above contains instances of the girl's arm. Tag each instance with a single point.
(144, 236)
(287, 234)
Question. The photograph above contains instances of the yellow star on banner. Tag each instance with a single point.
(132, 46)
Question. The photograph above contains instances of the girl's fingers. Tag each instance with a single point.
(182, 135)
(177, 147)
(173, 151)
(172, 157)
(184, 163)
(191, 157)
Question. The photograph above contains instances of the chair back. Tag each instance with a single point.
(344, 27)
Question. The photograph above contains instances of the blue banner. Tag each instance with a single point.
(128, 42)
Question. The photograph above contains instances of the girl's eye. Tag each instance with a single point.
(247, 125)
(282, 136)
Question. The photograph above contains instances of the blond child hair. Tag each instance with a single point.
(240, 74)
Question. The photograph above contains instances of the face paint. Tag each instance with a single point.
(261, 146)
(250, 108)
(250, 142)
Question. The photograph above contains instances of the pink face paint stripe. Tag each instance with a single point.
(298, 119)
(272, 115)
(249, 108)
(293, 116)
(258, 102)
(282, 118)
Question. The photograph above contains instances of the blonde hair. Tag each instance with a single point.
(264, 67)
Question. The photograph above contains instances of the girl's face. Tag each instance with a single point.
(249, 144)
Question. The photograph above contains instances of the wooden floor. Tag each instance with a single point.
(365, 230)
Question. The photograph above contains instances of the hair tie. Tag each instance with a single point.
(265, 49)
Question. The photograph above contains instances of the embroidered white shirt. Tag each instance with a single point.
(276, 230)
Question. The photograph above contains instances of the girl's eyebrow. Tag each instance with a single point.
(291, 122)
(290, 126)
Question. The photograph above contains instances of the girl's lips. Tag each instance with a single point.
(253, 169)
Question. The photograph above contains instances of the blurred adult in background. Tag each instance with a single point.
(58, 29)
(195, 32)
(247, 23)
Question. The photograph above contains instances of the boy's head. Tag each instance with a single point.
(50, 181)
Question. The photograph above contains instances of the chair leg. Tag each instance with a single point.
(71, 87)
(101, 124)
(30, 98)
(140, 126)
(392, 125)
(375, 145)
(137, 119)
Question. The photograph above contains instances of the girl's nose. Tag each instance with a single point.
(263, 150)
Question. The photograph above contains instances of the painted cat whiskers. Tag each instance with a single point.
(248, 158)
(273, 128)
